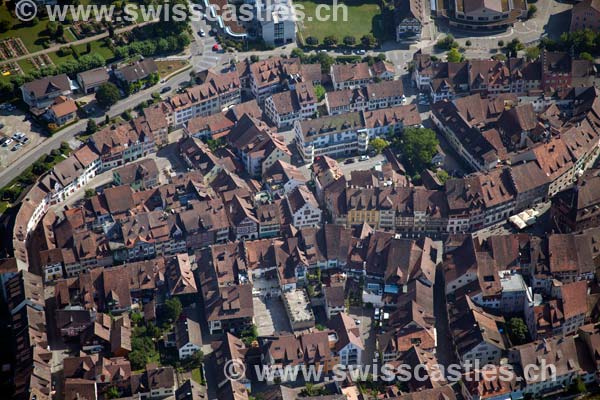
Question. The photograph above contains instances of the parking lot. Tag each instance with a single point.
(14, 122)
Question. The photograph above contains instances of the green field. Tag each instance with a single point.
(363, 17)
(97, 47)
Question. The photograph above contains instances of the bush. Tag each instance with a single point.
(500, 43)
(531, 10)
(349, 40)
(468, 43)
(447, 42)
(312, 41)
(320, 92)
(330, 40)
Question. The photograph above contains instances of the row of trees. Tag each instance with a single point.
(367, 40)
(150, 47)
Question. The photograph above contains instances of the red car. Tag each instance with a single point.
(216, 47)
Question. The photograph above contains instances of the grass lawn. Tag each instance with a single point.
(97, 47)
(26, 65)
(196, 376)
(363, 17)
(168, 67)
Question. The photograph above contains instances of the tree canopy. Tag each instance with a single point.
(107, 94)
(419, 145)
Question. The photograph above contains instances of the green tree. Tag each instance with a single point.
(578, 385)
(517, 330)
(379, 144)
(468, 43)
(531, 10)
(453, 55)
(586, 56)
(113, 393)
(349, 40)
(5, 25)
(249, 335)
(173, 309)
(89, 193)
(419, 145)
(92, 127)
(532, 53)
(446, 43)
(320, 92)
(442, 175)
(330, 40)
(312, 41)
(107, 95)
(513, 47)
(368, 40)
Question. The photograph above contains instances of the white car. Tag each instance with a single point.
(201, 33)
(364, 158)
(7, 142)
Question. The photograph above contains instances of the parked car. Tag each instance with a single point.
(201, 33)
(360, 52)
(17, 147)
(165, 89)
(7, 142)
(364, 158)
(349, 161)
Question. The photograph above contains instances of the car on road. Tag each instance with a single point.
(349, 161)
(165, 89)
(201, 33)
(216, 47)
(364, 158)
(360, 52)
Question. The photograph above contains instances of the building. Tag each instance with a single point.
(303, 207)
(140, 175)
(335, 300)
(349, 344)
(218, 92)
(350, 76)
(284, 109)
(409, 17)
(335, 136)
(578, 208)
(298, 309)
(63, 111)
(90, 81)
(137, 71)
(585, 15)
(483, 15)
(276, 25)
(41, 93)
(188, 338)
